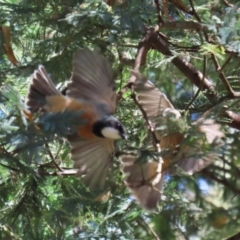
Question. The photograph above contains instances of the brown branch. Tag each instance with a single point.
(231, 92)
(140, 59)
(151, 229)
(235, 119)
(141, 56)
(234, 237)
(9, 167)
(143, 48)
(228, 5)
(52, 158)
(123, 90)
(195, 76)
(200, 88)
(194, 13)
(165, 10)
(181, 6)
(222, 181)
(226, 62)
(184, 25)
(159, 14)
(59, 150)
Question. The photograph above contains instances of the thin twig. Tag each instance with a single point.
(10, 168)
(222, 76)
(52, 158)
(228, 87)
(165, 10)
(59, 150)
(235, 119)
(226, 62)
(227, 3)
(160, 44)
(194, 13)
(184, 25)
(151, 229)
(200, 88)
(64, 172)
(159, 14)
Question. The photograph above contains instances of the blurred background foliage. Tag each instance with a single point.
(38, 203)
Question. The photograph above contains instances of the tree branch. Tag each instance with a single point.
(64, 172)
(231, 92)
(235, 119)
(234, 237)
(184, 25)
(222, 181)
(52, 158)
(195, 76)
(143, 48)
(151, 229)
(200, 88)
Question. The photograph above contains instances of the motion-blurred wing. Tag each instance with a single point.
(40, 88)
(152, 100)
(212, 130)
(170, 131)
(92, 158)
(144, 181)
(92, 80)
(192, 157)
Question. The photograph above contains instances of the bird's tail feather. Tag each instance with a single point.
(41, 87)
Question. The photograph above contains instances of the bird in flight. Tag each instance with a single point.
(145, 180)
(91, 91)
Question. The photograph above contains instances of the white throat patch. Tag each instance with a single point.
(110, 132)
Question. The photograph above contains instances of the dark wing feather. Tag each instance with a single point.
(92, 158)
(92, 80)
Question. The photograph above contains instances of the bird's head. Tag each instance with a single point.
(109, 127)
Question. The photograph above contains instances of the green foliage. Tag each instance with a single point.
(36, 202)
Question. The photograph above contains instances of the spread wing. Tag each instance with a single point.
(144, 181)
(152, 100)
(92, 80)
(92, 158)
(190, 158)
(41, 87)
